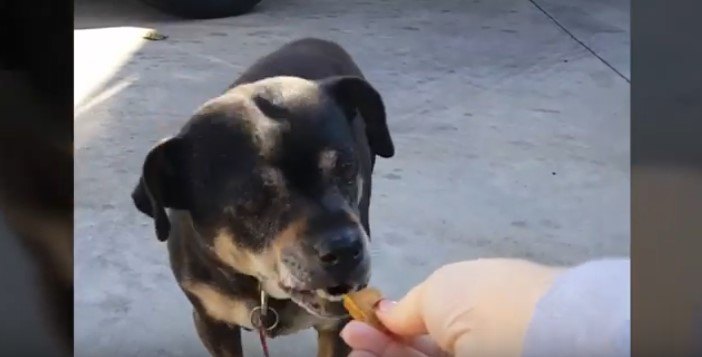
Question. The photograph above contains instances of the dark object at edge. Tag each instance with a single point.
(204, 9)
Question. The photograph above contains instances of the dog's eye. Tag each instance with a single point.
(347, 172)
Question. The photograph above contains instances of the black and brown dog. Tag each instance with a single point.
(267, 187)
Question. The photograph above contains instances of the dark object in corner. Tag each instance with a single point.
(203, 9)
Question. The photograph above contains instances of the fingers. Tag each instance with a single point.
(360, 353)
(367, 341)
(427, 346)
(399, 353)
(404, 318)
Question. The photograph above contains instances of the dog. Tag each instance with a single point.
(266, 190)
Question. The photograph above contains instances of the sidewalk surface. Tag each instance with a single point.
(510, 118)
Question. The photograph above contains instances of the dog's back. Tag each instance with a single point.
(308, 58)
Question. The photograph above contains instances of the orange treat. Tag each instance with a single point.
(361, 306)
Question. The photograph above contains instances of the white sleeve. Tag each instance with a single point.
(585, 313)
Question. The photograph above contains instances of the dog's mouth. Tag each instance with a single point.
(318, 302)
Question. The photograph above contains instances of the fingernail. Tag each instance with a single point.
(348, 330)
(386, 305)
(344, 333)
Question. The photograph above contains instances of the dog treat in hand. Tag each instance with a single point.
(361, 306)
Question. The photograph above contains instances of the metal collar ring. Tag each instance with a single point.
(256, 317)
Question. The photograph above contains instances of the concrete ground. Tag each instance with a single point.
(510, 117)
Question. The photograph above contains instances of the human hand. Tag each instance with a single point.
(474, 308)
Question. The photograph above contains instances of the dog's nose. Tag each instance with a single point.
(342, 250)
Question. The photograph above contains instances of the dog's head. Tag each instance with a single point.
(272, 175)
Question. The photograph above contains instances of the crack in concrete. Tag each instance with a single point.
(583, 44)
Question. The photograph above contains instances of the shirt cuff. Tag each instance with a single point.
(586, 312)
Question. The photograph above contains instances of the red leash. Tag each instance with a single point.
(264, 344)
(258, 315)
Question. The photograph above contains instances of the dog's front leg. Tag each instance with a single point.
(329, 343)
(220, 339)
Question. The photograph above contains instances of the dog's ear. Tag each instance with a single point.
(161, 184)
(354, 93)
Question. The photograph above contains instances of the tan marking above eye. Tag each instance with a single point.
(327, 160)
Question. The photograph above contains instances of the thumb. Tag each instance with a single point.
(404, 318)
